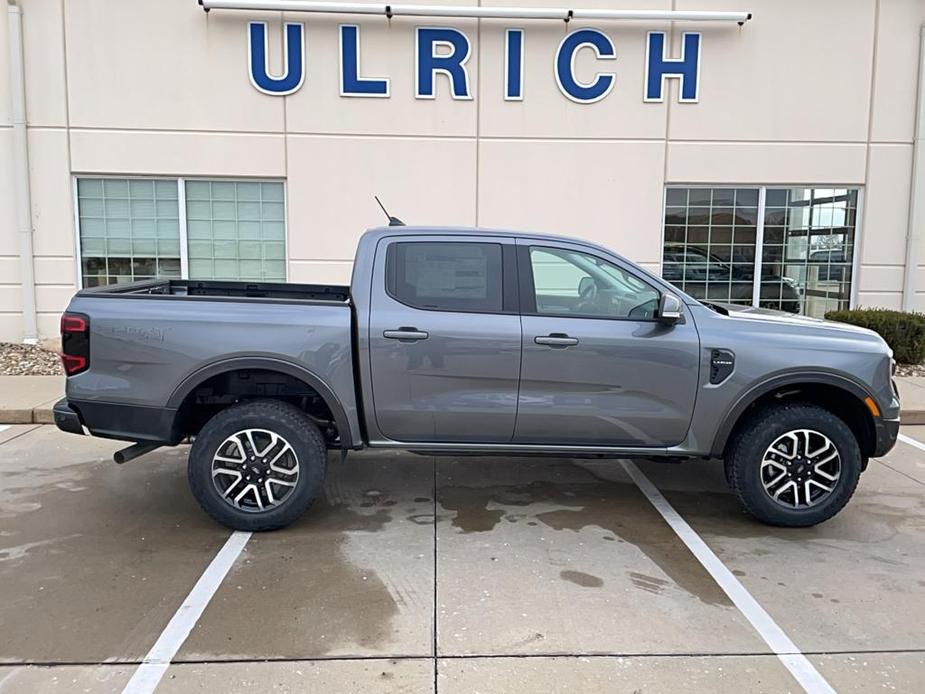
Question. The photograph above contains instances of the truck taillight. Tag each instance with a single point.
(75, 342)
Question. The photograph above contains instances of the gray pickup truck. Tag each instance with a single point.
(452, 341)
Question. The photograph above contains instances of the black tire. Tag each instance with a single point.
(275, 416)
(747, 448)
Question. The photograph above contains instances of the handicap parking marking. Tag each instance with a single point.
(781, 644)
(155, 663)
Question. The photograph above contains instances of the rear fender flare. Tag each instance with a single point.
(296, 371)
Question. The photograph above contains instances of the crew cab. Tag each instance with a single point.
(452, 341)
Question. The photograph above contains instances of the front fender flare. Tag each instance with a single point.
(732, 415)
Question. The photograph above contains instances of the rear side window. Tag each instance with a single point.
(446, 276)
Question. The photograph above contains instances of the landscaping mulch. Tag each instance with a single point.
(28, 360)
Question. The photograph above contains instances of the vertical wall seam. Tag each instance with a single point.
(286, 197)
(478, 114)
(660, 232)
(860, 233)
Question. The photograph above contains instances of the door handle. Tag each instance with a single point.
(406, 334)
(556, 340)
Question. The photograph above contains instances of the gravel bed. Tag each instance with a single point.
(28, 360)
(910, 369)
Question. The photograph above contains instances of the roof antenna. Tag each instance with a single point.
(393, 221)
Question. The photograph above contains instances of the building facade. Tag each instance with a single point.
(766, 163)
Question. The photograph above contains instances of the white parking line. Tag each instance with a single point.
(799, 666)
(912, 442)
(155, 664)
(4, 427)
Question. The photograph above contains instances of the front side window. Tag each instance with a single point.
(806, 236)
(446, 276)
(571, 283)
(134, 229)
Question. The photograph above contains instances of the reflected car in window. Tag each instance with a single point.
(706, 276)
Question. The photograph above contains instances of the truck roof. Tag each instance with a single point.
(405, 230)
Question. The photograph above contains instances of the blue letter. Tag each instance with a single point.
(428, 63)
(565, 66)
(294, 50)
(514, 65)
(351, 84)
(658, 67)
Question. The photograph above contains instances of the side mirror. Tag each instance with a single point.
(669, 309)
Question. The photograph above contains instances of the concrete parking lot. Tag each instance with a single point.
(456, 575)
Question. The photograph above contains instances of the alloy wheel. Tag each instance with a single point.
(800, 469)
(255, 470)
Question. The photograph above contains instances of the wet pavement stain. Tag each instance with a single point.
(87, 547)
(580, 578)
(302, 581)
(584, 501)
(351, 577)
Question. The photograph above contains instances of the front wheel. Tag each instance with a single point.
(258, 465)
(793, 465)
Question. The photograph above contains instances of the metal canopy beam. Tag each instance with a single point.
(388, 10)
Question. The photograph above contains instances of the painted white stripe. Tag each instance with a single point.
(4, 427)
(799, 666)
(912, 442)
(155, 664)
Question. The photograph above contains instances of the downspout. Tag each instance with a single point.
(917, 190)
(21, 175)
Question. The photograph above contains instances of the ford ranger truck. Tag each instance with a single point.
(451, 341)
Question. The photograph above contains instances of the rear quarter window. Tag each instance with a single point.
(446, 276)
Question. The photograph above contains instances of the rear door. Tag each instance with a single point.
(444, 338)
(598, 368)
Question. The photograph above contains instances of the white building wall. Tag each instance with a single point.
(806, 93)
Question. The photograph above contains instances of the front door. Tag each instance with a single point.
(598, 369)
(444, 339)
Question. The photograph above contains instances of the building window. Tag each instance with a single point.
(236, 230)
(805, 237)
(132, 229)
(129, 230)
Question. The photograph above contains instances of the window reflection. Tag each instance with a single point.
(808, 243)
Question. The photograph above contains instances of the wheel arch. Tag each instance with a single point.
(821, 388)
(296, 371)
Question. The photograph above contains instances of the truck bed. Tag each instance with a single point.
(218, 289)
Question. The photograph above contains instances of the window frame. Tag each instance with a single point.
(759, 234)
(508, 273)
(528, 288)
(181, 211)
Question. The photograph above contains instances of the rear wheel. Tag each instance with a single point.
(258, 465)
(793, 465)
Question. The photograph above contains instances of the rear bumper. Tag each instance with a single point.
(67, 419)
(116, 421)
(886, 430)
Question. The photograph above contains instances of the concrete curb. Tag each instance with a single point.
(38, 415)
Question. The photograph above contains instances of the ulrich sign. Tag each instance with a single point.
(446, 51)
